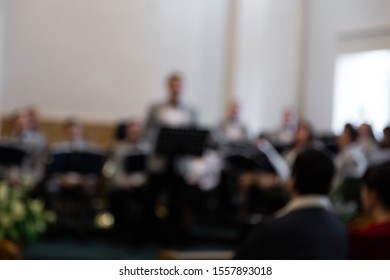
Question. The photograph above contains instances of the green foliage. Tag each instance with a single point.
(21, 218)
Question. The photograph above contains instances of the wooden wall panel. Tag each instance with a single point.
(100, 133)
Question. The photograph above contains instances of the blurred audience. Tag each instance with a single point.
(171, 193)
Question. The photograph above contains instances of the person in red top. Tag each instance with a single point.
(373, 241)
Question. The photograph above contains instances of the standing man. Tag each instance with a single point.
(173, 112)
(167, 193)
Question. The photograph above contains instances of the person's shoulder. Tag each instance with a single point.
(312, 214)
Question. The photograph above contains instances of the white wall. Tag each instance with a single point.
(2, 35)
(328, 19)
(268, 59)
(61, 55)
(105, 60)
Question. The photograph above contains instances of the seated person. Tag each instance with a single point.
(129, 182)
(305, 228)
(75, 138)
(350, 162)
(76, 142)
(367, 142)
(13, 167)
(285, 135)
(303, 139)
(133, 144)
(33, 141)
(74, 177)
(372, 241)
(231, 129)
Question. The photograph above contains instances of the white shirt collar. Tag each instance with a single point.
(305, 201)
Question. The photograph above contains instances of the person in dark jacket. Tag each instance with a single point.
(305, 228)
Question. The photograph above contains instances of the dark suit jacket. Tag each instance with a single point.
(309, 233)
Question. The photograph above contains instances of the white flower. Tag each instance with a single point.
(51, 217)
(4, 193)
(6, 220)
(18, 210)
(36, 206)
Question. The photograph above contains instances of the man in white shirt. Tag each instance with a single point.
(173, 112)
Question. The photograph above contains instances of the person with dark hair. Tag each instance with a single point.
(351, 161)
(385, 143)
(132, 145)
(305, 228)
(373, 240)
(383, 152)
(128, 181)
(75, 137)
(303, 139)
(367, 141)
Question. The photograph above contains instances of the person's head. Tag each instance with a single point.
(174, 84)
(375, 192)
(133, 131)
(304, 135)
(365, 131)
(349, 136)
(19, 120)
(33, 117)
(73, 129)
(290, 118)
(312, 174)
(233, 110)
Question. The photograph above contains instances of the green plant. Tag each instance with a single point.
(21, 218)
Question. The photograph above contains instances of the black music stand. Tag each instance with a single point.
(82, 162)
(79, 211)
(11, 155)
(135, 163)
(174, 142)
(245, 157)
